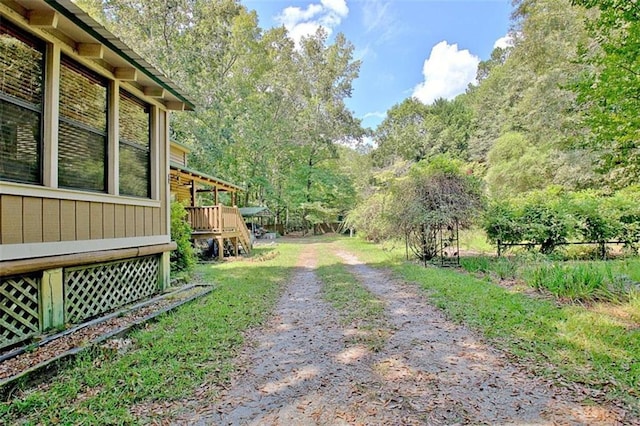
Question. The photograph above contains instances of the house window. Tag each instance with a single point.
(82, 138)
(21, 93)
(135, 146)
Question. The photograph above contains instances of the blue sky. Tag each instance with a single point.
(422, 48)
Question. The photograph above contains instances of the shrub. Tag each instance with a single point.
(183, 258)
(550, 217)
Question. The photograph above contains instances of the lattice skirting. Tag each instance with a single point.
(19, 310)
(93, 290)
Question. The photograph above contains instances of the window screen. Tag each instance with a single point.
(135, 147)
(82, 138)
(21, 91)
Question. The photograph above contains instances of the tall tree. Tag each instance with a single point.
(610, 90)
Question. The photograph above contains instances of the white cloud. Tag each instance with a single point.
(504, 42)
(375, 114)
(303, 22)
(375, 15)
(447, 73)
(338, 6)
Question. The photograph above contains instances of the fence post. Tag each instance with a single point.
(499, 251)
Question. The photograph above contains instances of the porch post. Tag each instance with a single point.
(52, 299)
(220, 241)
(193, 193)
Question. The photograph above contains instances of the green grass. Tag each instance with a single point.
(597, 348)
(475, 240)
(356, 306)
(586, 281)
(579, 281)
(501, 267)
(172, 357)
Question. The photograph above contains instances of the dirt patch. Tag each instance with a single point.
(302, 367)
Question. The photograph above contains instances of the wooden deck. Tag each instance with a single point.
(223, 223)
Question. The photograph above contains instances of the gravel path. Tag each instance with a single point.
(302, 368)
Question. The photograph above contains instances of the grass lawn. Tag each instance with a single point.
(597, 346)
(170, 358)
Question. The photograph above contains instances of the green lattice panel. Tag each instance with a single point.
(90, 291)
(19, 310)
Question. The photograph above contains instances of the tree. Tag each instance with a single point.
(516, 166)
(610, 90)
(414, 131)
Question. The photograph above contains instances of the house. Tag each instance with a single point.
(84, 169)
(202, 196)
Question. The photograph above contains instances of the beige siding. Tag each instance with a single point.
(37, 220)
(120, 221)
(32, 220)
(67, 220)
(108, 214)
(96, 221)
(182, 192)
(148, 221)
(156, 222)
(11, 219)
(178, 156)
(130, 221)
(51, 220)
(139, 221)
(83, 225)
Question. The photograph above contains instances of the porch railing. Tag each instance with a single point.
(218, 220)
(215, 219)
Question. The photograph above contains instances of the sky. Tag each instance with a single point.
(422, 48)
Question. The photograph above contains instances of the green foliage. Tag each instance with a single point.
(551, 217)
(515, 166)
(183, 258)
(609, 89)
(503, 268)
(583, 282)
(370, 218)
(416, 201)
(414, 131)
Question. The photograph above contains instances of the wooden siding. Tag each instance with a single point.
(178, 155)
(42, 220)
(181, 190)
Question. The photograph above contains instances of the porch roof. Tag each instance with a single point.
(255, 212)
(178, 170)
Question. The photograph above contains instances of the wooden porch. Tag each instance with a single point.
(222, 223)
(213, 220)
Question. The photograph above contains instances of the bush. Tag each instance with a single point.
(550, 217)
(183, 258)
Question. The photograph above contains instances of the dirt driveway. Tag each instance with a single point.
(301, 368)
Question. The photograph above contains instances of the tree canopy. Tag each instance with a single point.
(558, 107)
